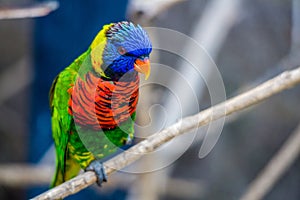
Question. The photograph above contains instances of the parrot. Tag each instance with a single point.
(93, 101)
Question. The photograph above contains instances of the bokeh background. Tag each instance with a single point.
(250, 41)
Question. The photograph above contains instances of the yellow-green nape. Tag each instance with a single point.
(97, 48)
(101, 37)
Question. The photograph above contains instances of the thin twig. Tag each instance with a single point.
(143, 12)
(20, 175)
(281, 82)
(275, 168)
(31, 11)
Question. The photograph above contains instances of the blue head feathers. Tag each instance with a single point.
(126, 43)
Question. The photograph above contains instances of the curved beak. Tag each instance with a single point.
(143, 66)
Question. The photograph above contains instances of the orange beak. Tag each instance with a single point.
(143, 66)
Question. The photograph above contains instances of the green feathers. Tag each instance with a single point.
(92, 106)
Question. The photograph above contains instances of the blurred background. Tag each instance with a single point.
(250, 42)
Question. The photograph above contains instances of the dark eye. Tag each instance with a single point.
(122, 50)
(130, 54)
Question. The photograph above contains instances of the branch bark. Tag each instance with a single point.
(269, 88)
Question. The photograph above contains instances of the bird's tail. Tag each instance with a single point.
(58, 177)
(70, 170)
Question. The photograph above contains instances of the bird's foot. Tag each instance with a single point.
(97, 167)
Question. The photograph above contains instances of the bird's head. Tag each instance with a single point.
(121, 48)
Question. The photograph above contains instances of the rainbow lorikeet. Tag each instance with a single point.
(93, 101)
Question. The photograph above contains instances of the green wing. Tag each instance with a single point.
(62, 121)
(71, 152)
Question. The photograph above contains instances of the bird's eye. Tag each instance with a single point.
(130, 54)
(122, 50)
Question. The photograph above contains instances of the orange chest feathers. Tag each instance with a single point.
(100, 104)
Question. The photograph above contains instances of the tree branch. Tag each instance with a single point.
(17, 175)
(31, 11)
(271, 87)
(143, 12)
(275, 168)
